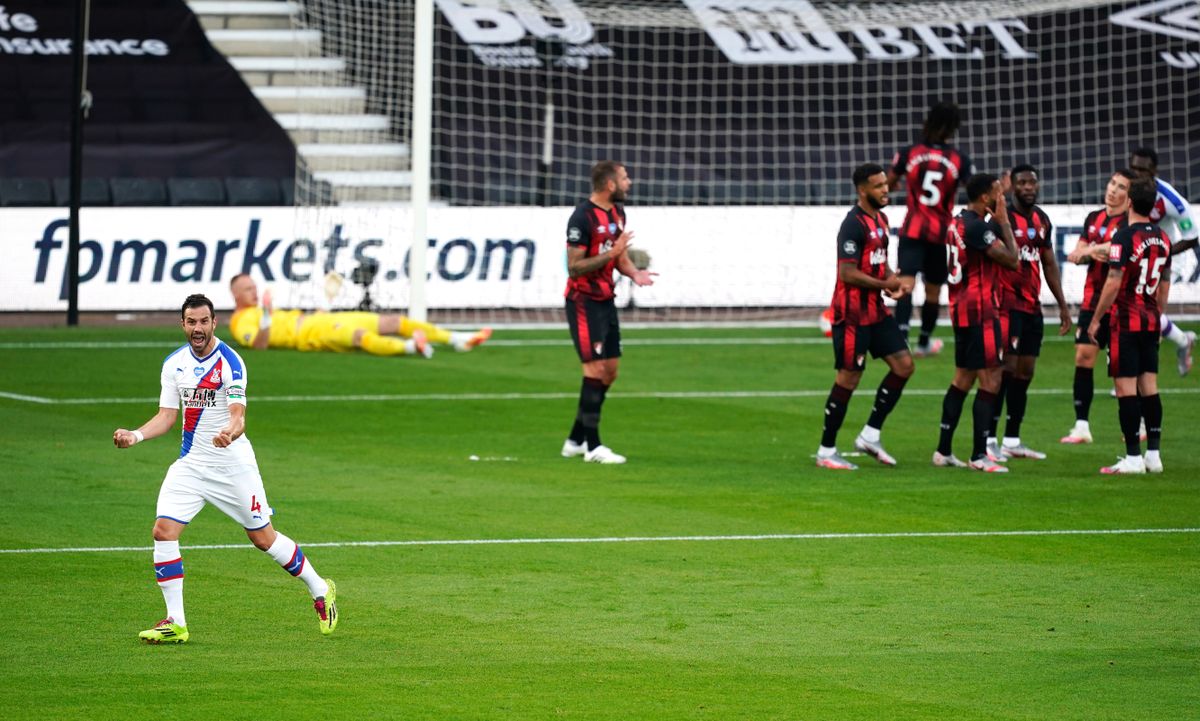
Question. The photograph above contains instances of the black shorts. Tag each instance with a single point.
(594, 328)
(851, 343)
(928, 259)
(979, 346)
(1024, 332)
(1132, 354)
(1081, 336)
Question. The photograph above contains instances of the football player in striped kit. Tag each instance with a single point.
(1172, 213)
(979, 243)
(1021, 308)
(1139, 259)
(1092, 250)
(862, 323)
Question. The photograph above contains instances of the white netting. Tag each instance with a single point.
(731, 105)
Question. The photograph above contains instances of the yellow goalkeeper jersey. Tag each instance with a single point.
(245, 327)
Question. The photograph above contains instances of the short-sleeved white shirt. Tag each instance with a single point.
(204, 388)
(1173, 214)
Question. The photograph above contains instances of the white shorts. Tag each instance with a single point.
(237, 490)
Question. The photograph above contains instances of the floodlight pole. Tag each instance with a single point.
(422, 141)
(80, 103)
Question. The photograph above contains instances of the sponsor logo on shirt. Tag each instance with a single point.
(878, 256)
(198, 397)
(1028, 254)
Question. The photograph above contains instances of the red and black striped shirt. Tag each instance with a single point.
(863, 241)
(1023, 286)
(973, 277)
(1100, 227)
(1143, 252)
(594, 229)
(933, 172)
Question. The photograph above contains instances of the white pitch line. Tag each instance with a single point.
(552, 395)
(646, 539)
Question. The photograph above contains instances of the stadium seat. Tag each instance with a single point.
(94, 191)
(195, 191)
(253, 191)
(138, 192)
(25, 192)
(287, 191)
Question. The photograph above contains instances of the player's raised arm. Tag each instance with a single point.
(159, 424)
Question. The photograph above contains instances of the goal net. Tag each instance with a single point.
(740, 122)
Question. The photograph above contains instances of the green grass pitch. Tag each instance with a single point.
(842, 628)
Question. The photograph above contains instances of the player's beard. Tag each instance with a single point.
(199, 340)
(877, 205)
(618, 196)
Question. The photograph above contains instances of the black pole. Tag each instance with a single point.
(78, 111)
(550, 51)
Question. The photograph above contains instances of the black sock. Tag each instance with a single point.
(952, 405)
(885, 399)
(982, 412)
(587, 418)
(1085, 388)
(1151, 408)
(903, 313)
(835, 413)
(1018, 401)
(929, 319)
(1129, 413)
(998, 405)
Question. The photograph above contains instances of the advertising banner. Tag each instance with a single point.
(150, 258)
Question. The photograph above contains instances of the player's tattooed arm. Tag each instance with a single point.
(579, 264)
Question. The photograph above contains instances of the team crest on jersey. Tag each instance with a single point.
(880, 232)
(216, 376)
(612, 228)
(849, 247)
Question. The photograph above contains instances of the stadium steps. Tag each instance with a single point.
(312, 99)
(339, 141)
(246, 15)
(360, 156)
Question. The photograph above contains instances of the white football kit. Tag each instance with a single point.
(1173, 214)
(226, 477)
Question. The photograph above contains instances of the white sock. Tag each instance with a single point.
(823, 452)
(458, 339)
(1083, 426)
(168, 564)
(1152, 455)
(991, 440)
(869, 434)
(287, 553)
(410, 347)
(1174, 333)
(1010, 442)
